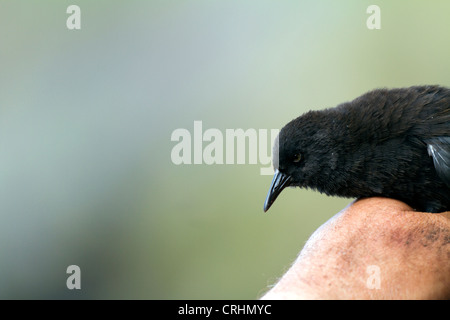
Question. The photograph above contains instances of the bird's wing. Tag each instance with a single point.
(439, 150)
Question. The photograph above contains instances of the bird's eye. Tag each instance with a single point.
(297, 157)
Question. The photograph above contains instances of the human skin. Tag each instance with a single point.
(376, 248)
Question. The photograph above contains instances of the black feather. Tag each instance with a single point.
(392, 143)
(439, 149)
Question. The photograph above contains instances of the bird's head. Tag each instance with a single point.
(302, 155)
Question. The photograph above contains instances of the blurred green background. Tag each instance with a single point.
(86, 118)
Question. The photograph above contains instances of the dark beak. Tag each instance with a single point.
(279, 182)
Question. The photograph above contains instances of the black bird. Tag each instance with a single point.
(390, 143)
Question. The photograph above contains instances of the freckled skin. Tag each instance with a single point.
(389, 143)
